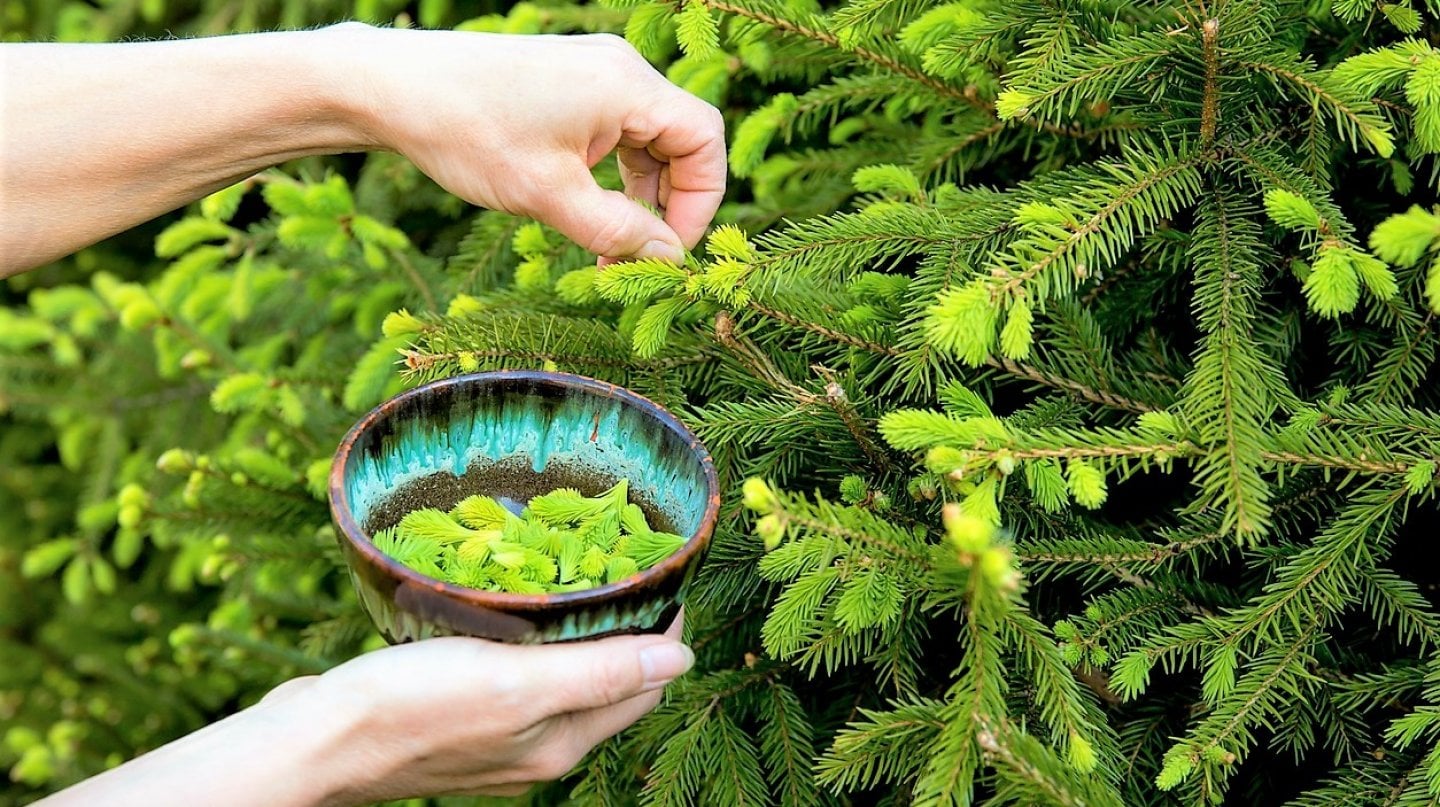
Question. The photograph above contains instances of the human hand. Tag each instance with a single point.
(466, 716)
(515, 123)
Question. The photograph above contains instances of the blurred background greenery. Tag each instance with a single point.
(137, 605)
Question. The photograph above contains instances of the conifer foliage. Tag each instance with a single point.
(1070, 367)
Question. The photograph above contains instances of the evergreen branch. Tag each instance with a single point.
(419, 361)
(833, 527)
(1144, 181)
(1385, 421)
(1318, 580)
(495, 244)
(1231, 390)
(1034, 771)
(1108, 67)
(1358, 464)
(1094, 395)
(962, 143)
(1162, 450)
(426, 293)
(1143, 553)
(831, 40)
(1264, 689)
(1057, 695)
(757, 361)
(1368, 124)
(864, 437)
(1390, 374)
(1210, 101)
(1018, 369)
(822, 330)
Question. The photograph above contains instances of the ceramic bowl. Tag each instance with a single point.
(518, 434)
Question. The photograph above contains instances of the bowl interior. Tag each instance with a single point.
(517, 435)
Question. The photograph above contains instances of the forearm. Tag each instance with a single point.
(97, 138)
(283, 752)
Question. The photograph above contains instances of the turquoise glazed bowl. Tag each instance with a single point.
(515, 435)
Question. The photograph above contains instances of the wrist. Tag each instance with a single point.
(328, 741)
(343, 59)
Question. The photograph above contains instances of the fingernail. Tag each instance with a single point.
(663, 663)
(662, 250)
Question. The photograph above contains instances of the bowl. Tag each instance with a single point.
(517, 434)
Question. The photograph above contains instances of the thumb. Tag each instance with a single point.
(591, 675)
(608, 223)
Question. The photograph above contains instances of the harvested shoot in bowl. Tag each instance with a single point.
(562, 541)
(523, 507)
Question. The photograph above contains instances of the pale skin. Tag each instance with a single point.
(95, 139)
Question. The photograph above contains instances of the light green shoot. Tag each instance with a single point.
(564, 541)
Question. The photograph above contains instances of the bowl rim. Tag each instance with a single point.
(675, 563)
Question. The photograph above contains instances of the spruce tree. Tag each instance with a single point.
(1069, 365)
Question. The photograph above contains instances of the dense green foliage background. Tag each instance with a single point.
(1135, 282)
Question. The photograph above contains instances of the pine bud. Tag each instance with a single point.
(758, 496)
(468, 362)
(195, 359)
(996, 567)
(191, 494)
(967, 533)
(1087, 484)
(132, 495)
(772, 531)
(1005, 462)
(130, 516)
(1081, 753)
(399, 323)
(139, 313)
(944, 459)
(463, 305)
(184, 635)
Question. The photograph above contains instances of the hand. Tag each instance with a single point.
(515, 123)
(465, 716)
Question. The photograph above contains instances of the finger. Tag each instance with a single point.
(590, 675)
(606, 222)
(505, 791)
(640, 172)
(597, 725)
(689, 135)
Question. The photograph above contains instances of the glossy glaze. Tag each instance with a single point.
(514, 422)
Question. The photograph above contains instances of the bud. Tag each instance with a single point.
(132, 495)
(400, 323)
(772, 531)
(758, 495)
(944, 459)
(998, 571)
(1081, 753)
(130, 516)
(966, 533)
(468, 363)
(176, 461)
(1005, 461)
(139, 313)
(922, 489)
(184, 635)
(195, 358)
(191, 494)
